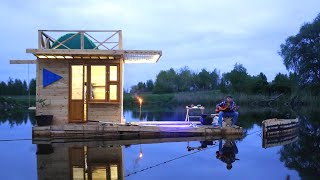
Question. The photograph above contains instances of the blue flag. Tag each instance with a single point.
(49, 77)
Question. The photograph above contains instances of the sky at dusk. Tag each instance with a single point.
(199, 34)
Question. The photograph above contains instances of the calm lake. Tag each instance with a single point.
(297, 159)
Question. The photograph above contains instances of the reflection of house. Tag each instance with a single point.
(80, 163)
(80, 77)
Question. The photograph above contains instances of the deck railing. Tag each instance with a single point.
(103, 39)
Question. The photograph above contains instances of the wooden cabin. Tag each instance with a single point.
(79, 74)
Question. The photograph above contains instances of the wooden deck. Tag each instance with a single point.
(133, 130)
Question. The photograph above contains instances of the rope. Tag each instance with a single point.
(170, 160)
(253, 133)
(4, 140)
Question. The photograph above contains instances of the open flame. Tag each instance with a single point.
(140, 100)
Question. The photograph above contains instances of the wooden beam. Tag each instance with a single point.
(89, 52)
(120, 40)
(72, 30)
(23, 61)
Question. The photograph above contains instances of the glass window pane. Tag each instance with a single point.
(98, 82)
(77, 173)
(113, 73)
(113, 95)
(99, 173)
(77, 81)
(113, 172)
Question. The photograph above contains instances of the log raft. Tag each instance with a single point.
(133, 130)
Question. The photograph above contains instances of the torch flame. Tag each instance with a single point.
(140, 100)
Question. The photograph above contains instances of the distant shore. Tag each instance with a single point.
(213, 97)
(210, 98)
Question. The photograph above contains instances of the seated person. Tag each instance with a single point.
(227, 108)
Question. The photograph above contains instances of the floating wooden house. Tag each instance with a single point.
(79, 74)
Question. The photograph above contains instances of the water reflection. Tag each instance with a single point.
(227, 152)
(79, 162)
(86, 160)
(279, 132)
(105, 159)
(303, 155)
(247, 118)
(17, 117)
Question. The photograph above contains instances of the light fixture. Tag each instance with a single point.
(42, 56)
(60, 57)
(94, 57)
(68, 57)
(141, 58)
(51, 57)
(77, 57)
(103, 57)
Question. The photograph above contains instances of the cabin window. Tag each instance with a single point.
(76, 82)
(113, 95)
(113, 73)
(104, 83)
(99, 173)
(113, 172)
(98, 82)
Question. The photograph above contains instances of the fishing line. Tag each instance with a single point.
(6, 140)
(170, 160)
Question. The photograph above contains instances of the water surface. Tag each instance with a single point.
(170, 160)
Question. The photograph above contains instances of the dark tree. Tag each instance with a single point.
(258, 84)
(3, 88)
(237, 78)
(185, 79)
(32, 87)
(166, 82)
(203, 80)
(281, 84)
(214, 79)
(149, 85)
(301, 53)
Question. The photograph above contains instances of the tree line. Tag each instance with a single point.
(17, 87)
(235, 81)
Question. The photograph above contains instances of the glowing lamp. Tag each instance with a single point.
(140, 101)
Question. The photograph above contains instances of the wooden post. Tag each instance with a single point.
(39, 39)
(28, 86)
(82, 40)
(120, 40)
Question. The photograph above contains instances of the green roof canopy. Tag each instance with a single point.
(73, 42)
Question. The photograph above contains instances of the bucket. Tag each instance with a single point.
(216, 121)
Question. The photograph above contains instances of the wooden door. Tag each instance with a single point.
(76, 96)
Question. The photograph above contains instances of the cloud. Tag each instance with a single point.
(199, 34)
